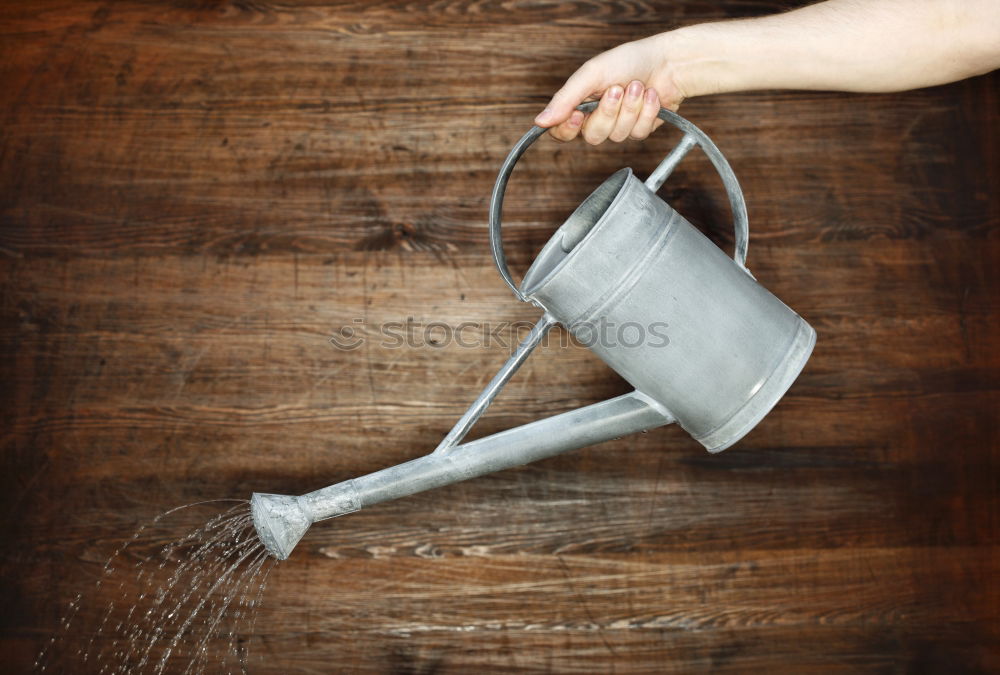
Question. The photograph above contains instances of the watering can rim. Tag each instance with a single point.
(529, 286)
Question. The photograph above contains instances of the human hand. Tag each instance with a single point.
(632, 82)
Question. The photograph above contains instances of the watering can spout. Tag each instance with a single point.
(281, 520)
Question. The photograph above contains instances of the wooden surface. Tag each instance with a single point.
(195, 196)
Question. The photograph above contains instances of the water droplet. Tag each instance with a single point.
(183, 607)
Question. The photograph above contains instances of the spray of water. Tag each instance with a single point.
(182, 607)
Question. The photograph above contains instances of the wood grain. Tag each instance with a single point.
(195, 197)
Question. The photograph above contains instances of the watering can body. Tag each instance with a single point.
(667, 310)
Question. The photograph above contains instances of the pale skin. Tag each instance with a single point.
(837, 45)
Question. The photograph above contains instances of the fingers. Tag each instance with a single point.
(628, 114)
(581, 85)
(601, 122)
(647, 119)
(622, 114)
(569, 129)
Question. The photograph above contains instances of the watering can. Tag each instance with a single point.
(702, 343)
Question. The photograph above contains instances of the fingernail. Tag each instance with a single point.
(651, 96)
(635, 90)
(615, 93)
(576, 119)
(543, 116)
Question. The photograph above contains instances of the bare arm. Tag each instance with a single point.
(844, 45)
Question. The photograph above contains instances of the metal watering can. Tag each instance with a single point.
(725, 351)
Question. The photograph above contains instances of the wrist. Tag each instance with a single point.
(687, 59)
(677, 65)
(701, 59)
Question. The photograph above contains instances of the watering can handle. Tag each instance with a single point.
(692, 136)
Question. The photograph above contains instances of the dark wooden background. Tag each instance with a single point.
(196, 195)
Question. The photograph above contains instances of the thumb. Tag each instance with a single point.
(578, 87)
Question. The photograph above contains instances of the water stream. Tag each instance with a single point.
(187, 606)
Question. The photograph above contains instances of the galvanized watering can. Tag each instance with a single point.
(723, 351)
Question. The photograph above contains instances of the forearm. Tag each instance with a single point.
(838, 45)
(845, 45)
